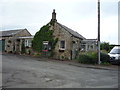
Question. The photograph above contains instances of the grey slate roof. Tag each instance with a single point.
(89, 41)
(10, 32)
(72, 32)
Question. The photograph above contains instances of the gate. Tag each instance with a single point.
(46, 50)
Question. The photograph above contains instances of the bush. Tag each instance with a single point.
(92, 57)
(104, 51)
(36, 54)
(105, 46)
(104, 57)
(85, 59)
(106, 63)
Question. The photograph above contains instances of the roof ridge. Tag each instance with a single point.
(12, 30)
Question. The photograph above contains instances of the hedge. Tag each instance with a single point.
(92, 57)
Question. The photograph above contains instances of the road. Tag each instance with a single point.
(29, 72)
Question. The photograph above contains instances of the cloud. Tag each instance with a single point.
(109, 29)
(89, 28)
(58, 0)
(79, 15)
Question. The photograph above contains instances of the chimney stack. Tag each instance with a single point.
(54, 15)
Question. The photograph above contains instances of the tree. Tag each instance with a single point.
(105, 46)
(44, 34)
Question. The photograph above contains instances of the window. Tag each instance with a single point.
(28, 43)
(115, 51)
(62, 45)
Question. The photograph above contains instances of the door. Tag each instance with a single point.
(2, 45)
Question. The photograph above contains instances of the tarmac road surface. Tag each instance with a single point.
(29, 72)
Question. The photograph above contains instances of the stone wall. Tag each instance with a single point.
(12, 44)
(71, 43)
(75, 47)
(8, 44)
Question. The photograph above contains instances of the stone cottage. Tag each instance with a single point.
(69, 42)
(11, 40)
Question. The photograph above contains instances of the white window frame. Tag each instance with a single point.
(28, 43)
(60, 45)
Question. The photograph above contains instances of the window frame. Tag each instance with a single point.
(60, 45)
(28, 43)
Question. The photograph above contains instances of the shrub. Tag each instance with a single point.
(106, 63)
(92, 58)
(85, 59)
(104, 57)
(36, 54)
(105, 46)
(104, 51)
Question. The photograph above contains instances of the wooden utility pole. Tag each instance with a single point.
(99, 32)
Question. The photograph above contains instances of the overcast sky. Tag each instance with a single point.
(79, 15)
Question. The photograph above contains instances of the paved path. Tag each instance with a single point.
(28, 72)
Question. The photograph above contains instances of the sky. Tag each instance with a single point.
(79, 15)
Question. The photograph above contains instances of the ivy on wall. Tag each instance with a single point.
(44, 34)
